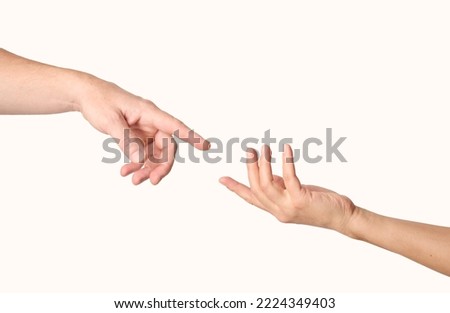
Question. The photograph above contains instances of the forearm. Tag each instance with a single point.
(29, 87)
(426, 244)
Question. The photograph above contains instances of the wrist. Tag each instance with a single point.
(358, 223)
(80, 85)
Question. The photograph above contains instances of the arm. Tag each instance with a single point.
(29, 87)
(426, 244)
(291, 202)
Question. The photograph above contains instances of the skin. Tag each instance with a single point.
(29, 87)
(292, 202)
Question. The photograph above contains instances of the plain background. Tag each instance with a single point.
(376, 72)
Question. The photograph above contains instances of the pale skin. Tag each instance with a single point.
(29, 87)
(292, 202)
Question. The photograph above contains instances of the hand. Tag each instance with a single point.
(29, 87)
(111, 110)
(286, 198)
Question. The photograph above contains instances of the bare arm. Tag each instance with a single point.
(291, 202)
(29, 87)
(426, 244)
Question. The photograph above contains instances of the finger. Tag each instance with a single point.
(291, 181)
(265, 168)
(134, 146)
(168, 147)
(254, 179)
(129, 168)
(136, 149)
(171, 125)
(253, 169)
(265, 174)
(241, 190)
(141, 175)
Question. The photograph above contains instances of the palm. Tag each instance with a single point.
(286, 198)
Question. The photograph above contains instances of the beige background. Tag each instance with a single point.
(376, 72)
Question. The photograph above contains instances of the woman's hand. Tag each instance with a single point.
(286, 198)
(291, 202)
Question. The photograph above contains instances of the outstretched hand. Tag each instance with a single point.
(286, 198)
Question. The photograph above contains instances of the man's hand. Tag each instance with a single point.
(29, 87)
(113, 110)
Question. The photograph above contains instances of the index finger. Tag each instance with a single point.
(171, 125)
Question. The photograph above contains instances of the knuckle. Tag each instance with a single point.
(148, 103)
(346, 201)
(283, 218)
